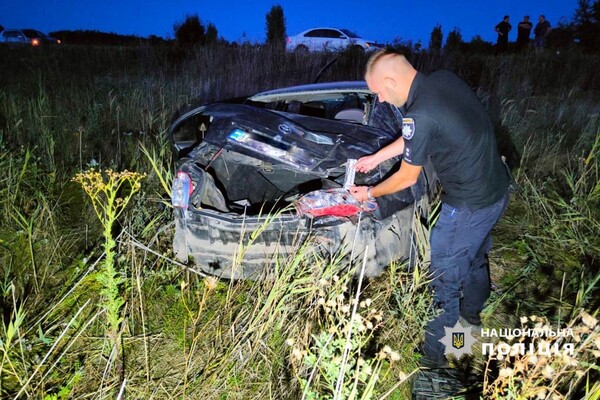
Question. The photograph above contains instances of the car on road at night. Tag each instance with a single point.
(29, 37)
(267, 172)
(328, 39)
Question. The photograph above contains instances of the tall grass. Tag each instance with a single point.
(185, 336)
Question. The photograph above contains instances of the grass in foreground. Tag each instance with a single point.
(184, 336)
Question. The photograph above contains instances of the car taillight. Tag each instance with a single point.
(181, 190)
(57, 41)
(35, 42)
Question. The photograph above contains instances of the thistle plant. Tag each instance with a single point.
(360, 372)
(110, 192)
(552, 373)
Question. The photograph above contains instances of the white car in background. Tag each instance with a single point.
(328, 39)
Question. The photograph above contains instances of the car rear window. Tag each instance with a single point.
(11, 34)
(350, 33)
(30, 33)
(322, 105)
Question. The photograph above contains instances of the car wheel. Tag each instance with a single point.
(301, 49)
(358, 49)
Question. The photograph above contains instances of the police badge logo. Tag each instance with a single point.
(408, 128)
(458, 340)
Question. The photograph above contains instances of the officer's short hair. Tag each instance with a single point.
(378, 55)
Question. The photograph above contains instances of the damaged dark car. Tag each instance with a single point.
(259, 176)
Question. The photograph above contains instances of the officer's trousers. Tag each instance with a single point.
(460, 241)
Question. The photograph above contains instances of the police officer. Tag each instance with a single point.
(541, 31)
(502, 29)
(524, 30)
(444, 122)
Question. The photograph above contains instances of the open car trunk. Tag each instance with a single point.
(249, 166)
(241, 217)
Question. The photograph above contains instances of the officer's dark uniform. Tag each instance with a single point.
(445, 122)
(540, 31)
(524, 31)
(502, 42)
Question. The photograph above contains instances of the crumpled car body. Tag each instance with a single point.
(249, 161)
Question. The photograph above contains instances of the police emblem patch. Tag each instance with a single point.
(458, 340)
(408, 128)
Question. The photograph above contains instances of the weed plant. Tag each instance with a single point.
(549, 373)
(110, 192)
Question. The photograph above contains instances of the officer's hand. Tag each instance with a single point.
(367, 163)
(359, 193)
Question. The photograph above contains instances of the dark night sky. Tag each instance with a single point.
(383, 20)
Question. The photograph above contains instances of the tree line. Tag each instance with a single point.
(582, 31)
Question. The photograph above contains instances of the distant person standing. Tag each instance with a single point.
(541, 31)
(523, 33)
(502, 29)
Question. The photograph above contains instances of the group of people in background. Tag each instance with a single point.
(540, 32)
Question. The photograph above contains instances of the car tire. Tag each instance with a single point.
(301, 49)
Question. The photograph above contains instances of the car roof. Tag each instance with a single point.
(325, 27)
(350, 86)
(22, 30)
(34, 32)
(335, 28)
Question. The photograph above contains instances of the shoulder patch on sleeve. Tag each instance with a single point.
(408, 128)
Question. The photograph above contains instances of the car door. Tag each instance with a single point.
(13, 37)
(315, 40)
(336, 40)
